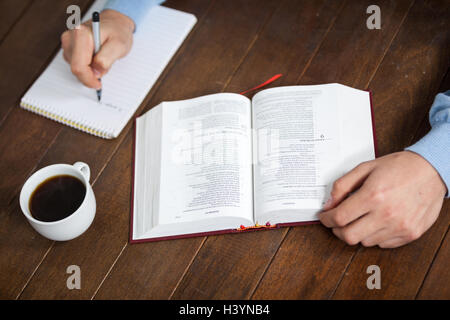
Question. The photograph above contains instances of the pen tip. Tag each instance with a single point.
(95, 16)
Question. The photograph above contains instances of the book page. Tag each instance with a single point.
(296, 140)
(357, 139)
(206, 160)
(147, 170)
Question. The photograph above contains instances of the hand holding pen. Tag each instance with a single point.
(116, 38)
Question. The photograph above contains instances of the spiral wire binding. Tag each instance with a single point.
(81, 124)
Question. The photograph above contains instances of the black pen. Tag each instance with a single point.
(97, 42)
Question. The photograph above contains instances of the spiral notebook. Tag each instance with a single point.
(57, 94)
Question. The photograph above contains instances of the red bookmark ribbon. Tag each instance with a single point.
(275, 77)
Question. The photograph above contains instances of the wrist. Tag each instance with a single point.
(434, 147)
(428, 170)
(119, 18)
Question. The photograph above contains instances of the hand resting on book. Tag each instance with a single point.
(116, 34)
(399, 197)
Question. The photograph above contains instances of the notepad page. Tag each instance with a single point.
(59, 95)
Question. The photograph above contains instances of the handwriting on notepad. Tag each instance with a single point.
(111, 106)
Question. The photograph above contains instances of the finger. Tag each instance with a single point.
(349, 210)
(66, 46)
(82, 50)
(111, 51)
(67, 55)
(348, 183)
(378, 237)
(416, 226)
(358, 230)
(393, 243)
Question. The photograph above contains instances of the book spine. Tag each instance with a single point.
(373, 125)
(133, 181)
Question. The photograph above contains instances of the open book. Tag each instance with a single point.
(224, 163)
(57, 94)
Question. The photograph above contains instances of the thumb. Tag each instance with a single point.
(348, 183)
(110, 51)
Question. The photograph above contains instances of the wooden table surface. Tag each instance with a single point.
(235, 45)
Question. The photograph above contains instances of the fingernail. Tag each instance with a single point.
(97, 73)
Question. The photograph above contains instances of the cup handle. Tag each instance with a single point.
(84, 168)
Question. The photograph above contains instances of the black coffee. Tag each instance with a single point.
(57, 198)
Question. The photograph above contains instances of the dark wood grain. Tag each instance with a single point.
(23, 55)
(235, 45)
(417, 75)
(409, 77)
(394, 67)
(70, 145)
(425, 126)
(417, 256)
(95, 251)
(13, 10)
(133, 264)
(23, 136)
(360, 51)
(199, 280)
(351, 53)
(437, 282)
(28, 46)
(225, 267)
(67, 145)
(191, 62)
(402, 269)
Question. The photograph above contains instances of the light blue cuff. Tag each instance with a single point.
(435, 148)
(135, 9)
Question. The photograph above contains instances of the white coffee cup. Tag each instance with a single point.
(73, 225)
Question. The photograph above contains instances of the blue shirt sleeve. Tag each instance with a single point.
(435, 146)
(135, 9)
